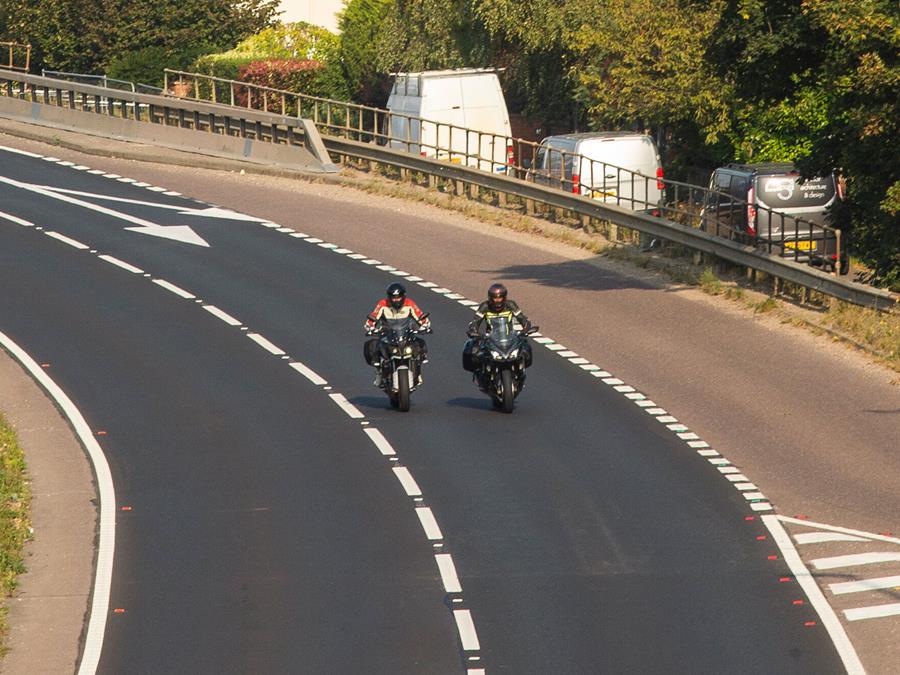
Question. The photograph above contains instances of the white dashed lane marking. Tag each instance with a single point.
(346, 406)
(121, 263)
(308, 373)
(407, 481)
(380, 442)
(172, 288)
(466, 627)
(429, 524)
(66, 240)
(224, 316)
(448, 572)
(265, 344)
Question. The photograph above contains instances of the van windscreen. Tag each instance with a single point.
(789, 191)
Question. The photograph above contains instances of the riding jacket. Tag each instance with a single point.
(384, 310)
(512, 312)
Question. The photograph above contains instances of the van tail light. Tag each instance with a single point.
(424, 154)
(576, 183)
(751, 212)
(660, 185)
(511, 154)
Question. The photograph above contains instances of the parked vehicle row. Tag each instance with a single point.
(461, 116)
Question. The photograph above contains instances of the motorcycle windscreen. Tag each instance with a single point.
(500, 331)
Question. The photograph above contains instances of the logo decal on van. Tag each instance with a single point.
(783, 187)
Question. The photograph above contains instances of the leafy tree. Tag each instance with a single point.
(87, 35)
(861, 79)
(360, 23)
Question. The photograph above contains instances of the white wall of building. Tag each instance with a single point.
(319, 12)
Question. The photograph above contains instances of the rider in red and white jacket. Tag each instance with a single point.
(395, 305)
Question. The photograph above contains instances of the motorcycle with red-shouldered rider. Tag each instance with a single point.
(399, 358)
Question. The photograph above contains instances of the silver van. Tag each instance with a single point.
(615, 167)
(772, 206)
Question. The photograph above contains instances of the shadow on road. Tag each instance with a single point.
(574, 274)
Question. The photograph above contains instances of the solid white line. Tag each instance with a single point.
(224, 316)
(20, 152)
(856, 559)
(67, 163)
(466, 627)
(356, 256)
(873, 612)
(121, 263)
(380, 441)
(265, 344)
(172, 288)
(152, 188)
(66, 240)
(111, 175)
(16, 220)
(448, 573)
(429, 524)
(50, 159)
(308, 373)
(835, 528)
(816, 597)
(407, 481)
(93, 643)
(330, 247)
(97, 172)
(172, 193)
(127, 180)
(822, 537)
(346, 406)
(864, 585)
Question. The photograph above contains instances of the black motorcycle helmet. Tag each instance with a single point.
(396, 294)
(497, 297)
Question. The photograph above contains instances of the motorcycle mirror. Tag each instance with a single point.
(533, 329)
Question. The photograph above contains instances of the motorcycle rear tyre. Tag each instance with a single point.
(509, 397)
(403, 392)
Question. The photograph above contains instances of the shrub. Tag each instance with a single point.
(284, 74)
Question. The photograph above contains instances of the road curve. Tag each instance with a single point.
(265, 533)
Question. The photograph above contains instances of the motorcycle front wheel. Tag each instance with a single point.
(403, 392)
(509, 396)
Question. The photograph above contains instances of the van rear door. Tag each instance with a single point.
(793, 211)
(608, 166)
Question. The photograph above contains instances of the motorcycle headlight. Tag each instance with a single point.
(514, 354)
(496, 354)
(407, 350)
(395, 350)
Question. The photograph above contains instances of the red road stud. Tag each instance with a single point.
(773, 557)
(126, 508)
(809, 623)
(797, 602)
(101, 433)
(45, 365)
(784, 580)
(119, 610)
(761, 537)
(801, 517)
(749, 517)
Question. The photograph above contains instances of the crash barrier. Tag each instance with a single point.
(15, 56)
(204, 119)
(714, 211)
(102, 81)
(252, 136)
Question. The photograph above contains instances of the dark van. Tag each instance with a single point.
(772, 206)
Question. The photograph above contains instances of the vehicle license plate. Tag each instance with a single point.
(801, 245)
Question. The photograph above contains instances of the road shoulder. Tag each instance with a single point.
(47, 613)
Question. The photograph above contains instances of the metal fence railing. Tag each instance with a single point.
(676, 218)
(102, 81)
(15, 56)
(698, 206)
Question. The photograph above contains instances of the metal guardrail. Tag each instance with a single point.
(770, 230)
(285, 129)
(11, 56)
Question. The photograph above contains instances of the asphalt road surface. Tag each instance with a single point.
(264, 530)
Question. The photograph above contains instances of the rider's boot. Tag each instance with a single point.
(377, 381)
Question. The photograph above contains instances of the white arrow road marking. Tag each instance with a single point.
(180, 233)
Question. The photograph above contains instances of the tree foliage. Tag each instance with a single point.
(87, 35)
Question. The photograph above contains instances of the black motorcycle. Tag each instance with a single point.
(498, 360)
(400, 358)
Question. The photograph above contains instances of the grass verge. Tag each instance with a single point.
(15, 498)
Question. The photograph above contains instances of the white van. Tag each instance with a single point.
(458, 115)
(615, 167)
